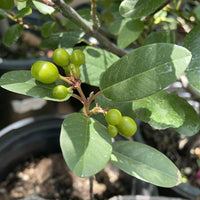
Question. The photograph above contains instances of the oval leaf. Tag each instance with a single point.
(129, 32)
(12, 34)
(192, 43)
(145, 163)
(96, 62)
(161, 110)
(85, 144)
(48, 28)
(7, 4)
(21, 82)
(136, 9)
(144, 71)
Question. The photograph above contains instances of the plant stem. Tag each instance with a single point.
(71, 14)
(91, 188)
(94, 15)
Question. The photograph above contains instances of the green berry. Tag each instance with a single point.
(78, 57)
(60, 91)
(113, 116)
(61, 57)
(127, 126)
(45, 72)
(112, 130)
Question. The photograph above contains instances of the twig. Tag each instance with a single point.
(91, 188)
(71, 14)
(94, 15)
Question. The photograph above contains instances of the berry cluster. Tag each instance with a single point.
(125, 125)
(47, 72)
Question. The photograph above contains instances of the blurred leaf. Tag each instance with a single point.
(3, 14)
(22, 13)
(192, 43)
(136, 9)
(66, 40)
(145, 163)
(21, 82)
(7, 4)
(197, 11)
(144, 71)
(12, 34)
(85, 144)
(129, 32)
(160, 37)
(48, 28)
(43, 8)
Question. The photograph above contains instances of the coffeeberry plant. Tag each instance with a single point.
(129, 62)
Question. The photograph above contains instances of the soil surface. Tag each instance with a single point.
(50, 178)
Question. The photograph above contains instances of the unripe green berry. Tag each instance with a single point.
(45, 72)
(60, 92)
(61, 57)
(77, 57)
(112, 130)
(113, 116)
(127, 126)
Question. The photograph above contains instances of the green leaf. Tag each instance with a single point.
(25, 4)
(144, 71)
(129, 32)
(48, 28)
(96, 62)
(192, 43)
(3, 14)
(7, 4)
(43, 8)
(161, 110)
(191, 124)
(22, 13)
(160, 37)
(116, 25)
(21, 82)
(85, 144)
(136, 9)
(197, 11)
(145, 163)
(65, 40)
(12, 34)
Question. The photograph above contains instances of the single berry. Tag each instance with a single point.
(112, 130)
(60, 91)
(36, 67)
(113, 116)
(45, 72)
(78, 57)
(61, 57)
(127, 126)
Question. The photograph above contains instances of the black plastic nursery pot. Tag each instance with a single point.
(28, 137)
